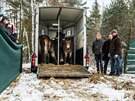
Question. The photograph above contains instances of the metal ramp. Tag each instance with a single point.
(65, 71)
(130, 68)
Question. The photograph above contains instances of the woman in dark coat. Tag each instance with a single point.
(105, 51)
(97, 51)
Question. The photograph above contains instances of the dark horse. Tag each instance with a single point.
(43, 47)
(68, 49)
(52, 51)
(46, 48)
(61, 43)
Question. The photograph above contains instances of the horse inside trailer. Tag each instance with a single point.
(56, 22)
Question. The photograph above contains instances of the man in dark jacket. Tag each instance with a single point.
(97, 51)
(105, 51)
(7, 27)
(13, 35)
(115, 53)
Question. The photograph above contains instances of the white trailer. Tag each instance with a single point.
(70, 21)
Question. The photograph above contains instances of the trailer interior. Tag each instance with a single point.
(70, 22)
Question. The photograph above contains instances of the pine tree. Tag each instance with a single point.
(132, 17)
(116, 16)
(93, 23)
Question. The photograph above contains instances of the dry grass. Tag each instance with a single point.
(95, 78)
(128, 85)
(53, 65)
(15, 82)
(134, 96)
(26, 70)
(123, 85)
(116, 84)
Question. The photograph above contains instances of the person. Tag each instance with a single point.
(105, 51)
(11, 28)
(124, 47)
(97, 51)
(4, 23)
(115, 53)
(8, 28)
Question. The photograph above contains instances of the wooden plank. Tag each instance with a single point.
(47, 70)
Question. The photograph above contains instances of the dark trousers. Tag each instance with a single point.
(106, 64)
(99, 64)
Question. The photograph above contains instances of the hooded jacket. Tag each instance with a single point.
(116, 46)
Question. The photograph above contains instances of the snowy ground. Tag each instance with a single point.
(96, 88)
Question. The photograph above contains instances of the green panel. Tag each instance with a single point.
(131, 51)
(10, 60)
(130, 67)
(131, 56)
(130, 72)
(132, 43)
(130, 62)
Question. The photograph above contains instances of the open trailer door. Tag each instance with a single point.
(66, 18)
(34, 58)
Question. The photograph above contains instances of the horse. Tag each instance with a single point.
(52, 51)
(61, 43)
(43, 47)
(68, 49)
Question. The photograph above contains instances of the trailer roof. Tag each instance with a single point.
(68, 16)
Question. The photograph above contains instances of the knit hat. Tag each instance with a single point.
(114, 31)
(5, 18)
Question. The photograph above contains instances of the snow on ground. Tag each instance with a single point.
(96, 88)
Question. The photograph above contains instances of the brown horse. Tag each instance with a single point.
(43, 47)
(61, 43)
(52, 51)
(68, 49)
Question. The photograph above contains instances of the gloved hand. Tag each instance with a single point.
(109, 55)
(116, 55)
